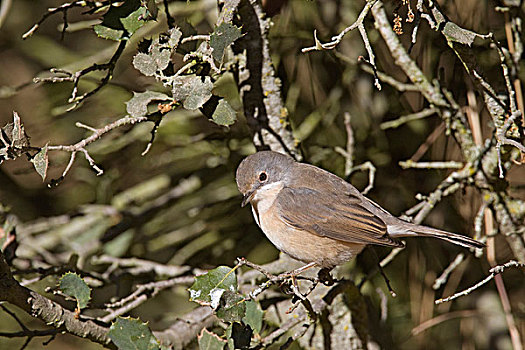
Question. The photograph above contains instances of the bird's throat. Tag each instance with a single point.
(264, 198)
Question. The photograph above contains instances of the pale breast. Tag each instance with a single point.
(299, 244)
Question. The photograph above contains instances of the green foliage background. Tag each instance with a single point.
(129, 211)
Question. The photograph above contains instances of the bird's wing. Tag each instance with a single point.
(336, 215)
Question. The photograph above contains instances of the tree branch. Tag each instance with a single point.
(259, 88)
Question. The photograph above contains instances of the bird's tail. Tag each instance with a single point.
(407, 229)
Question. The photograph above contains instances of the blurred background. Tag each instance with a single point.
(179, 204)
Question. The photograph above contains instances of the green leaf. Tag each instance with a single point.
(208, 288)
(120, 22)
(210, 341)
(232, 307)
(137, 106)
(41, 162)
(135, 20)
(129, 333)
(224, 114)
(74, 286)
(192, 90)
(223, 36)
(254, 316)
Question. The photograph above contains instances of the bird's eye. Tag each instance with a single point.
(263, 176)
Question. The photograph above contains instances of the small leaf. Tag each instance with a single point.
(74, 286)
(41, 162)
(161, 57)
(17, 132)
(108, 33)
(145, 64)
(137, 106)
(210, 341)
(232, 307)
(120, 22)
(223, 36)
(224, 114)
(206, 287)
(13, 139)
(192, 90)
(254, 316)
(175, 35)
(129, 333)
(135, 20)
(453, 32)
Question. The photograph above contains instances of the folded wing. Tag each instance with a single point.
(336, 215)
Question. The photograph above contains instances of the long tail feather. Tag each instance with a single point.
(411, 230)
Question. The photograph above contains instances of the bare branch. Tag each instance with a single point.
(427, 112)
(81, 145)
(409, 164)
(493, 272)
(442, 279)
(337, 39)
(260, 89)
(143, 293)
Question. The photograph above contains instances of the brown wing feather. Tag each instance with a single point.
(338, 216)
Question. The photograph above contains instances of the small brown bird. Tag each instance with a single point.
(318, 218)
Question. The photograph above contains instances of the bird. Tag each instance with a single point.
(318, 218)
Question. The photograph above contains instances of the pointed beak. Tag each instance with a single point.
(247, 197)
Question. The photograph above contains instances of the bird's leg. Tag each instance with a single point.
(298, 271)
(293, 275)
(324, 277)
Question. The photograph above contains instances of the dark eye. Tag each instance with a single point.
(263, 176)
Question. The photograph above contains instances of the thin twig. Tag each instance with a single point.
(273, 279)
(385, 78)
(142, 294)
(371, 174)
(204, 37)
(408, 118)
(81, 145)
(442, 279)
(337, 39)
(64, 8)
(409, 164)
(393, 253)
(496, 270)
(442, 318)
(349, 156)
(75, 77)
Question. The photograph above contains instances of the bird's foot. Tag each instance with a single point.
(325, 277)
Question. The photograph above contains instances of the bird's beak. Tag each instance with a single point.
(247, 197)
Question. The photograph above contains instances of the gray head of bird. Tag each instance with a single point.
(261, 169)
